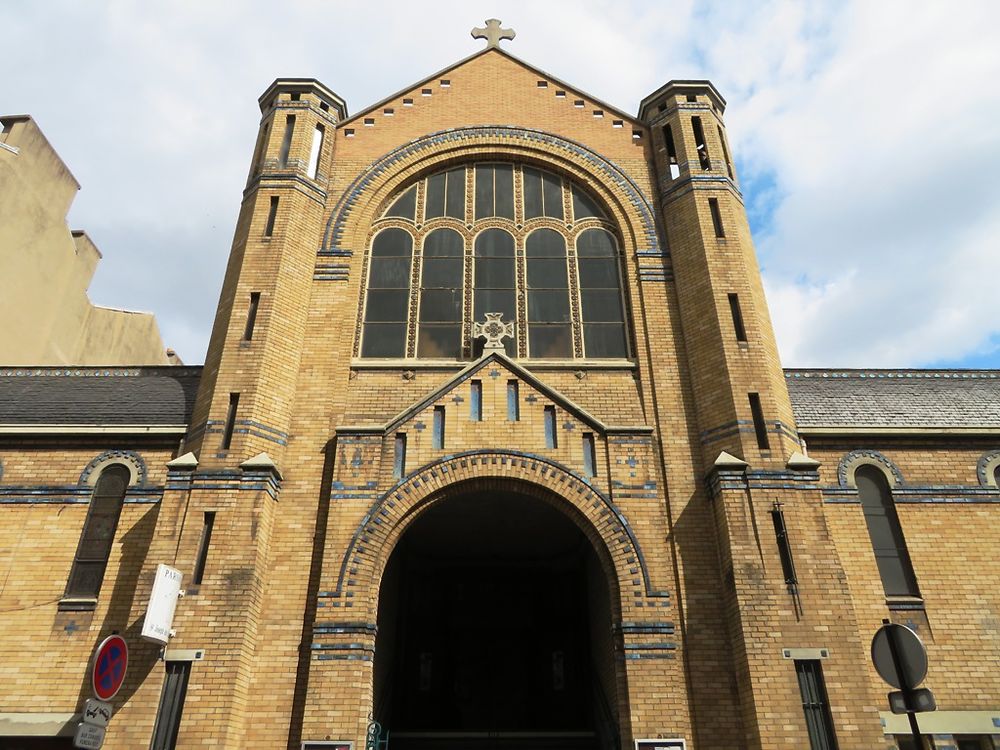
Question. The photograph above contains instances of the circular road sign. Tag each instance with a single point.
(108, 670)
(909, 668)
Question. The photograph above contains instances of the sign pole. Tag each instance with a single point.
(918, 740)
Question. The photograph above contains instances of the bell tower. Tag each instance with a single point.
(743, 405)
(245, 400)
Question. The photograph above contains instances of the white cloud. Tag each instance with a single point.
(865, 134)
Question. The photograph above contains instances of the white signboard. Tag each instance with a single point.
(88, 737)
(96, 712)
(162, 603)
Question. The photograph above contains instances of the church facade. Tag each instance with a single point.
(492, 448)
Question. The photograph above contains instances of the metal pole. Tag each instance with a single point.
(904, 686)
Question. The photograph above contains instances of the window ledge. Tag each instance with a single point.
(904, 602)
(359, 363)
(77, 604)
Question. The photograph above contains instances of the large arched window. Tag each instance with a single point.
(885, 532)
(388, 296)
(495, 237)
(94, 548)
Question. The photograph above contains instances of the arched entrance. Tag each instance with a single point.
(495, 629)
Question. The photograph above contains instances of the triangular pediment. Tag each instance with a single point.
(505, 69)
(497, 368)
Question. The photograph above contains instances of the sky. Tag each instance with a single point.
(866, 137)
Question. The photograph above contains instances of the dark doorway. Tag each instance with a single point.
(494, 631)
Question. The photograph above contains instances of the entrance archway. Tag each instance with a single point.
(495, 630)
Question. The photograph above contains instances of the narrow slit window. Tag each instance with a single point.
(700, 144)
(784, 545)
(725, 153)
(314, 152)
(227, 432)
(168, 717)
(668, 139)
(203, 544)
(589, 455)
(438, 427)
(713, 206)
(286, 142)
(476, 401)
(815, 705)
(513, 402)
(399, 456)
(737, 313)
(97, 537)
(272, 214)
(551, 435)
(258, 154)
(759, 425)
(251, 316)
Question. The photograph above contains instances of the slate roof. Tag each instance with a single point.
(104, 396)
(895, 399)
(859, 399)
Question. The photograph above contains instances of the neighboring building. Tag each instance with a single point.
(620, 521)
(45, 268)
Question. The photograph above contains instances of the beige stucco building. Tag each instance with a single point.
(46, 268)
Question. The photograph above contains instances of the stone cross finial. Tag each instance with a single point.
(494, 331)
(493, 33)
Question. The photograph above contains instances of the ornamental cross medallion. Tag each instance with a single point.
(494, 331)
(492, 33)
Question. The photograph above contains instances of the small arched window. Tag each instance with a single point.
(494, 281)
(94, 549)
(885, 532)
(441, 275)
(387, 303)
(550, 331)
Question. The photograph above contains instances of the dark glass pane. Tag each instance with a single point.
(494, 300)
(509, 346)
(444, 243)
(880, 531)
(550, 341)
(494, 273)
(456, 193)
(389, 273)
(892, 570)
(85, 578)
(405, 206)
(885, 532)
(583, 206)
(495, 243)
(552, 188)
(387, 305)
(504, 190)
(484, 191)
(442, 273)
(98, 548)
(441, 305)
(595, 242)
(598, 273)
(532, 193)
(547, 274)
(604, 340)
(392, 242)
(545, 243)
(99, 529)
(548, 306)
(440, 341)
(384, 340)
(435, 196)
(601, 306)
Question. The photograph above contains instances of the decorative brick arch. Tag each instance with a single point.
(633, 210)
(598, 518)
(851, 461)
(129, 459)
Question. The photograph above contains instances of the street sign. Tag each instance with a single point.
(108, 670)
(96, 713)
(920, 700)
(88, 737)
(162, 604)
(905, 669)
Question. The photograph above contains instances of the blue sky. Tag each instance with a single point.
(865, 134)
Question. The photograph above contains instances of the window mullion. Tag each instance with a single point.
(521, 299)
(574, 299)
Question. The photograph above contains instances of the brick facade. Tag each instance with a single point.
(676, 503)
